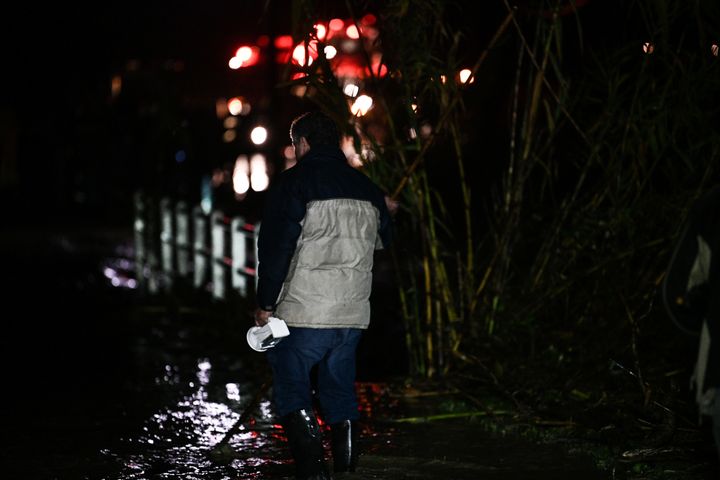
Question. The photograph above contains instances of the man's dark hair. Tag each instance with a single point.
(317, 128)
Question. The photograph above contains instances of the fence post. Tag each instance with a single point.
(201, 251)
(139, 238)
(220, 252)
(243, 239)
(151, 269)
(220, 262)
(182, 238)
(166, 242)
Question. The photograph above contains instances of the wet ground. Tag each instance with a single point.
(103, 382)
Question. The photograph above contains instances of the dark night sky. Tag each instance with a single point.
(59, 58)
(77, 43)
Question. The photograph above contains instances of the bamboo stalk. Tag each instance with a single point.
(445, 416)
(467, 209)
(428, 317)
(547, 84)
(418, 160)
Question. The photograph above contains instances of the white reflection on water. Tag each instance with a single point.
(203, 373)
(232, 391)
(266, 409)
(176, 441)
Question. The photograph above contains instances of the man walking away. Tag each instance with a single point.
(322, 222)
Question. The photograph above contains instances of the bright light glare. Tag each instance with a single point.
(258, 177)
(330, 52)
(258, 135)
(244, 54)
(235, 106)
(648, 47)
(235, 63)
(352, 32)
(244, 57)
(299, 53)
(466, 76)
(230, 122)
(320, 30)
(362, 105)
(241, 179)
(351, 90)
(714, 49)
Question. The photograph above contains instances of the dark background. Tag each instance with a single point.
(72, 150)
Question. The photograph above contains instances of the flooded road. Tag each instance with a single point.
(102, 382)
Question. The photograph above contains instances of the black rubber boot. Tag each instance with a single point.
(305, 440)
(344, 446)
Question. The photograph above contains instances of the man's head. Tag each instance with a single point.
(313, 129)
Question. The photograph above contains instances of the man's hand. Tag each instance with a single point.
(392, 205)
(262, 316)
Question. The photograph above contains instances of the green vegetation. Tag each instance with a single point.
(572, 160)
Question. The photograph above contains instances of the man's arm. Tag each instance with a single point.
(279, 230)
(385, 227)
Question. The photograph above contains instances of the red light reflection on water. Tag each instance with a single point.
(377, 406)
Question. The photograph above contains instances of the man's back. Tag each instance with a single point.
(342, 218)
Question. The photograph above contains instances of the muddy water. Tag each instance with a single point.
(104, 383)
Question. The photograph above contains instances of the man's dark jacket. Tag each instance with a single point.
(322, 222)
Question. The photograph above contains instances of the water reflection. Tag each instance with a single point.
(203, 393)
(120, 272)
(233, 391)
(178, 440)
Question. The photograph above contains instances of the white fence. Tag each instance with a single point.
(210, 251)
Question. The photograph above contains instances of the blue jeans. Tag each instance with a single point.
(333, 351)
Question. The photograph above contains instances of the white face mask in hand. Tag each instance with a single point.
(267, 336)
